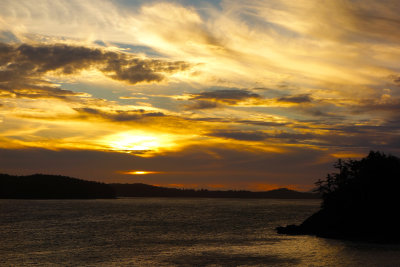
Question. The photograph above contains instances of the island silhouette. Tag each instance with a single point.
(145, 190)
(41, 186)
(359, 202)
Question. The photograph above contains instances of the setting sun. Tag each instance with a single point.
(138, 172)
(135, 141)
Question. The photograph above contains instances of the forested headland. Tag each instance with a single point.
(360, 201)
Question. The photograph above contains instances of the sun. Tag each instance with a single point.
(132, 141)
(137, 142)
(138, 172)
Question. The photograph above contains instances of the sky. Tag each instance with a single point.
(249, 95)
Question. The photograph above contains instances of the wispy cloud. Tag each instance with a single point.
(219, 98)
(118, 115)
(228, 96)
(304, 98)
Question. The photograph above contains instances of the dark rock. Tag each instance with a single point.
(291, 229)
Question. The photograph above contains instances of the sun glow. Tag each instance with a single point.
(138, 141)
(138, 172)
(130, 141)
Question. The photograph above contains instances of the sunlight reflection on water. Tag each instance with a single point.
(172, 232)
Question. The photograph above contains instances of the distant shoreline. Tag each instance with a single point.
(220, 198)
(41, 186)
(144, 190)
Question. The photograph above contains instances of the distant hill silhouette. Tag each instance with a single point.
(361, 201)
(144, 190)
(40, 186)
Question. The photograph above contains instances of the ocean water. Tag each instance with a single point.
(172, 232)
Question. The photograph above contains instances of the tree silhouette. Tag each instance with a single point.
(359, 201)
(373, 180)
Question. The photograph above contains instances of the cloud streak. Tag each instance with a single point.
(118, 115)
(304, 98)
(228, 96)
(219, 98)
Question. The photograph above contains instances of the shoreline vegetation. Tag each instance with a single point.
(359, 202)
(42, 186)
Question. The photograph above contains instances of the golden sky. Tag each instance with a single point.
(216, 94)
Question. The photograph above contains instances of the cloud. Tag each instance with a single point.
(118, 115)
(320, 113)
(219, 98)
(141, 70)
(22, 67)
(394, 78)
(255, 135)
(360, 21)
(241, 135)
(202, 104)
(384, 103)
(262, 123)
(303, 98)
(240, 121)
(226, 96)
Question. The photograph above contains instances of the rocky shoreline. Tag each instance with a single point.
(323, 224)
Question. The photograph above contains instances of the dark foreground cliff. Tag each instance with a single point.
(40, 186)
(360, 202)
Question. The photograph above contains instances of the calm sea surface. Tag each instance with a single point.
(172, 232)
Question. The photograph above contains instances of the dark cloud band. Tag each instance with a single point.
(304, 98)
(219, 98)
(118, 115)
